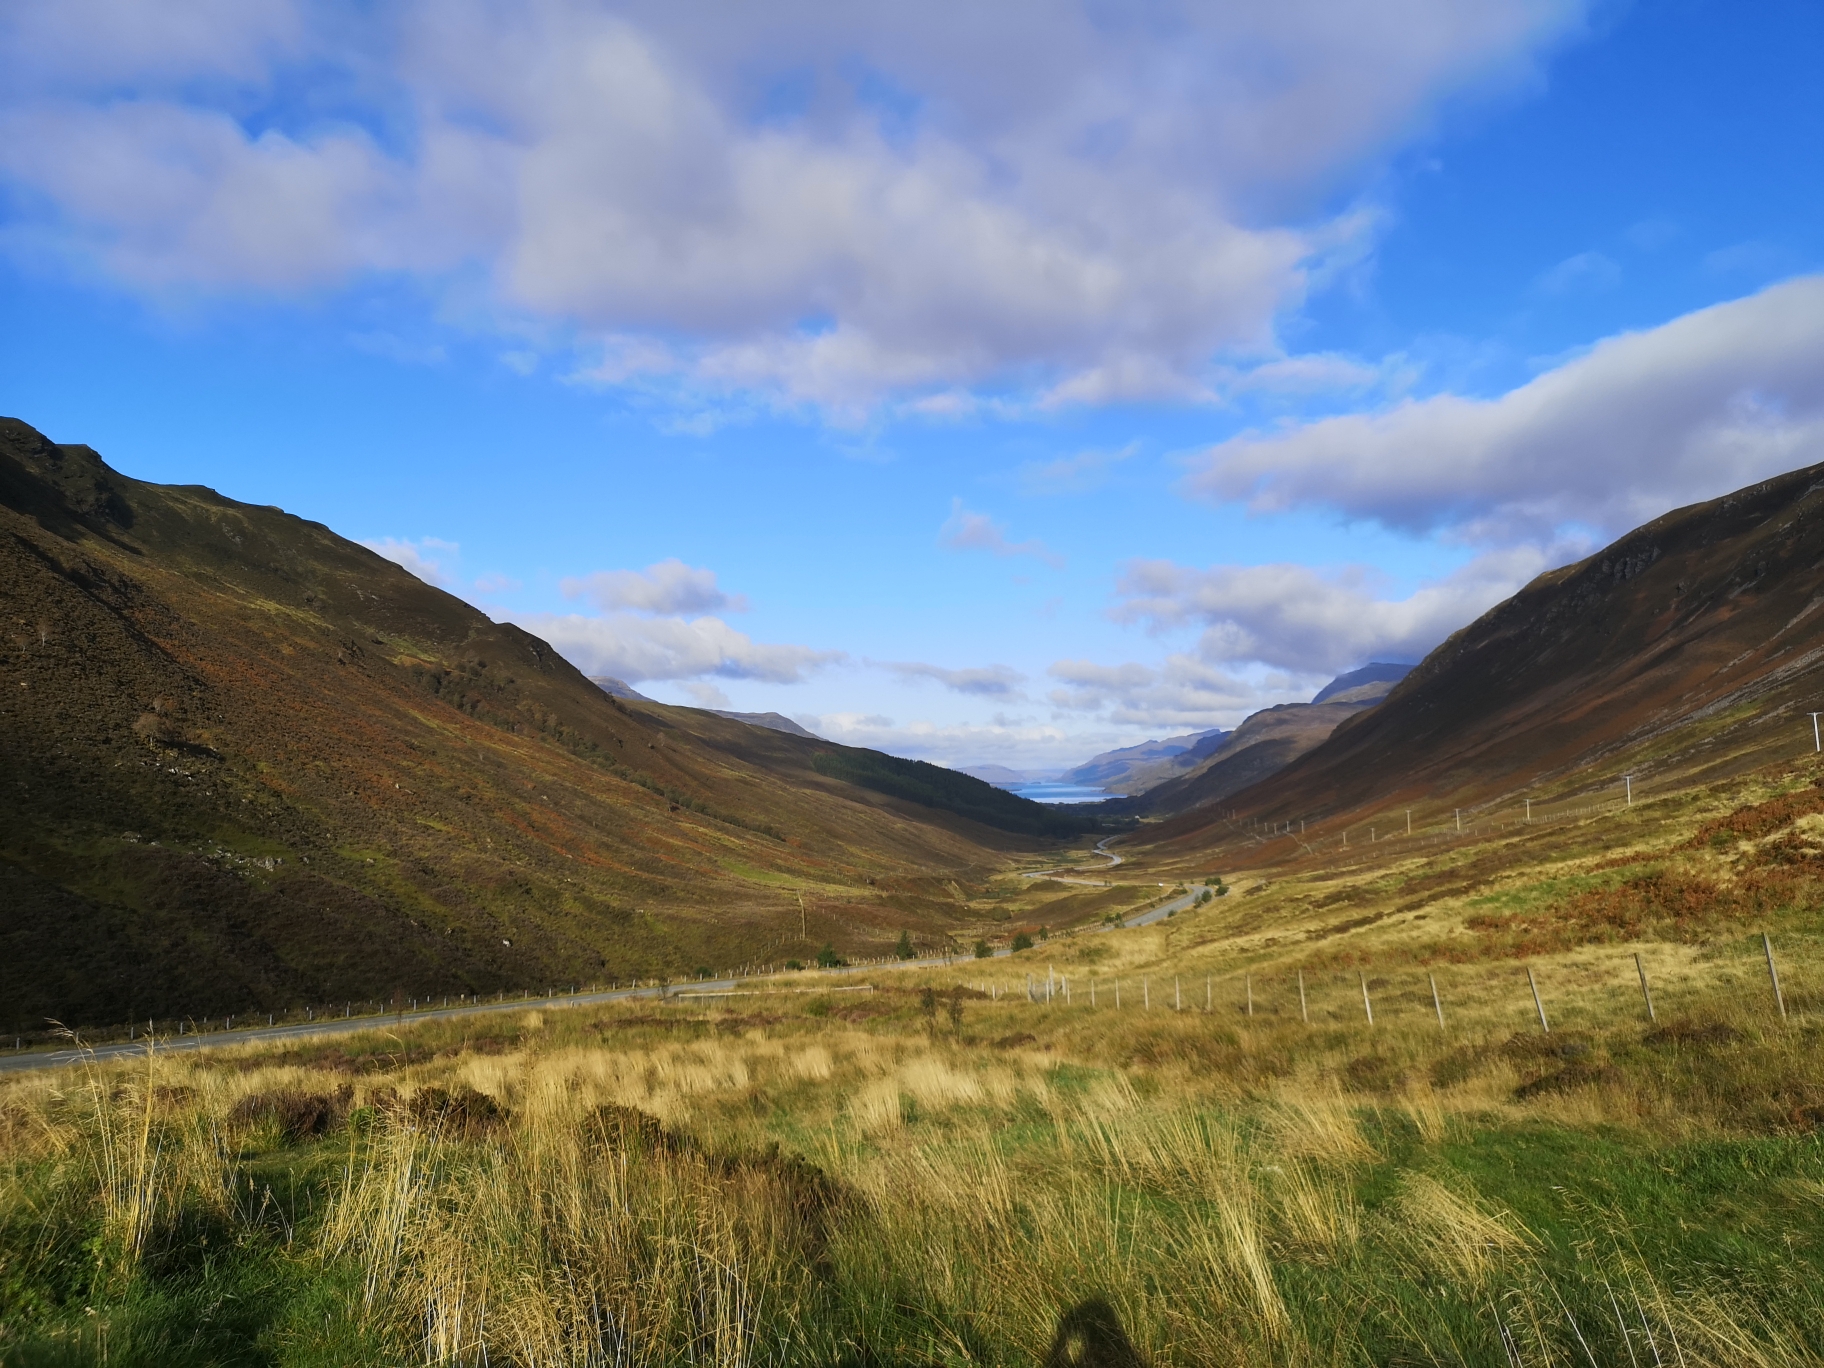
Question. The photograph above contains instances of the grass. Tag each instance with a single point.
(668, 1186)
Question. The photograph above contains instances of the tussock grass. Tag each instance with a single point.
(821, 1192)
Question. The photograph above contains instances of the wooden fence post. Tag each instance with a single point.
(1437, 1003)
(1645, 991)
(1304, 1012)
(1367, 1006)
(1774, 974)
(1534, 985)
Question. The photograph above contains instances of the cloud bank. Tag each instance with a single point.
(667, 587)
(643, 648)
(1641, 423)
(826, 202)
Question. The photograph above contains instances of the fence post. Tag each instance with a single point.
(1437, 1003)
(1304, 1013)
(1146, 993)
(1774, 974)
(1177, 995)
(1250, 983)
(1367, 1006)
(1645, 991)
(1534, 985)
(1209, 999)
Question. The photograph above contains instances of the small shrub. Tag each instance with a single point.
(1021, 941)
(827, 958)
(982, 950)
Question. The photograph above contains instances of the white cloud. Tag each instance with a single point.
(1182, 693)
(429, 558)
(705, 694)
(667, 587)
(640, 648)
(1083, 201)
(1643, 422)
(991, 681)
(1295, 618)
(966, 531)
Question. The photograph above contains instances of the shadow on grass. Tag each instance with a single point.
(1090, 1336)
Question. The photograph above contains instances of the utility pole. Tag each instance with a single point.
(804, 926)
(1459, 812)
(1529, 811)
(1409, 821)
(1628, 779)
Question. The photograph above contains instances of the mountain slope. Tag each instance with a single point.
(1119, 769)
(248, 763)
(1265, 743)
(1690, 648)
(1379, 674)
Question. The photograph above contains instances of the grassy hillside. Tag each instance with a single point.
(1233, 1165)
(249, 764)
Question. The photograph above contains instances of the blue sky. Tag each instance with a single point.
(990, 385)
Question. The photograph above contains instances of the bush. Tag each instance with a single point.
(983, 951)
(827, 958)
(904, 949)
(1021, 941)
(794, 964)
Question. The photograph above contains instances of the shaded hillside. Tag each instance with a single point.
(249, 763)
(1689, 649)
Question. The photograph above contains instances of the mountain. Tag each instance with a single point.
(1692, 648)
(1265, 743)
(1114, 770)
(1375, 680)
(771, 720)
(1217, 764)
(246, 763)
(618, 688)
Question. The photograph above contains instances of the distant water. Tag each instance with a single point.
(1053, 792)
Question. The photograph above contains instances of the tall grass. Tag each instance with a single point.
(818, 1193)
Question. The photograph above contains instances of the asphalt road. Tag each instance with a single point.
(334, 1026)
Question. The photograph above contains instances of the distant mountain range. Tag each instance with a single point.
(620, 688)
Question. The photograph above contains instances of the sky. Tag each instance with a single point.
(985, 384)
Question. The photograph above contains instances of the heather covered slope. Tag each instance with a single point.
(249, 763)
(1690, 649)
